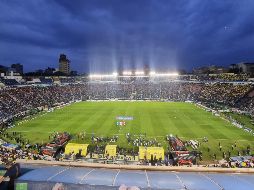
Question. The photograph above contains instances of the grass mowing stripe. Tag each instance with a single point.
(157, 119)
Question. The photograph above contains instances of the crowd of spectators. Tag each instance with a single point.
(216, 77)
(15, 101)
(141, 140)
(247, 102)
(225, 93)
(8, 155)
(208, 89)
(22, 149)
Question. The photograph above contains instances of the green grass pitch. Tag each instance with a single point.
(155, 119)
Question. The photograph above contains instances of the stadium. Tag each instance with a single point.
(153, 120)
(126, 95)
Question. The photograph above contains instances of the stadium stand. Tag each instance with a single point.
(10, 82)
(67, 80)
(211, 91)
(246, 103)
(17, 101)
(46, 80)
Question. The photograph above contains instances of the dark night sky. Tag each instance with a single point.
(101, 35)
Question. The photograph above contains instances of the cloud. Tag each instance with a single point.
(100, 35)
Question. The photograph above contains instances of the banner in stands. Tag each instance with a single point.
(110, 150)
(157, 152)
(73, 147)
(10, 146)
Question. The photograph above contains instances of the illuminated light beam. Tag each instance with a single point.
(132, 76)
(127, 73)
(165, 74)
(115, 74)
(139, 73)
(152, 73)
(103, 76)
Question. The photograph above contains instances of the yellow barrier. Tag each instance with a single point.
(110, 150)
(157, 152)
(73, 147)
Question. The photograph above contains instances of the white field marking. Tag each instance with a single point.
(217, 139)
(86, 175)
(181, 182)
(114, 181)
(157, 136)
(211, 180)
(148, 182)
(58, 173)
(30, 132)
(120, 134)
(51, 120)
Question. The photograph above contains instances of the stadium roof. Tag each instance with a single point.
(89, 178)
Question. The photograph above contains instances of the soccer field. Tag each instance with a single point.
(153, 119)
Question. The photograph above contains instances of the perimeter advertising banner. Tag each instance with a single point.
(157, 152)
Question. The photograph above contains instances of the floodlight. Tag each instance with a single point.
(102, 76)
(115, 74)
(93, 76)
(166, 74)
(139, 73)
(152, 73)
(127, 73)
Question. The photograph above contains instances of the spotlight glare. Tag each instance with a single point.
(127, 73)
(115, 74)
(166, 74)
(152, 73)
(103, 76)
(139, 73)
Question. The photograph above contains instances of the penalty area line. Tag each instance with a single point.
(28, 132)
